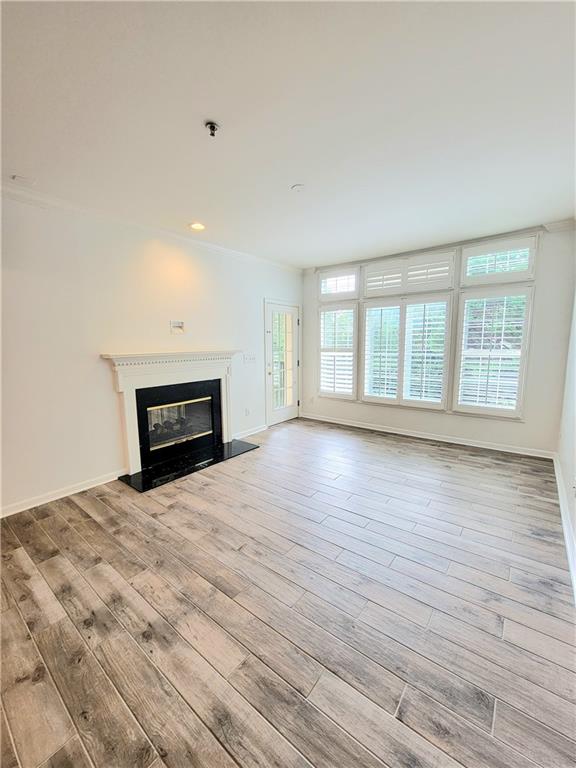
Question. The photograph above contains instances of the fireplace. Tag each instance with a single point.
(176, 408)
(178, 419)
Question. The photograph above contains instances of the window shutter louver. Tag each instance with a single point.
(431, 272)
(415, 273)
(386, 277)
(491, 353)
(424, 352)
(381, 351)
(337, 351)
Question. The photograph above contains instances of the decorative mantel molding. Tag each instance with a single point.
(139, 370)
(165, 358)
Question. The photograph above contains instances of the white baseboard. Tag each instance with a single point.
(569, 533)
(248, 432)
(541, 454)
(20, 506)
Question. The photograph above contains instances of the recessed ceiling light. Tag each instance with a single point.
(196, 225)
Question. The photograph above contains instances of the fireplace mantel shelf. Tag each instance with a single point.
(167, 358)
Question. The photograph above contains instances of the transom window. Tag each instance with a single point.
(499, 261)
(338, 284)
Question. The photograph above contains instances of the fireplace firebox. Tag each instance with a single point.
(177, 419)
(180, 431)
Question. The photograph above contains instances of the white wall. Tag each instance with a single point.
(566, 462)
(538, 432)
(76, 284)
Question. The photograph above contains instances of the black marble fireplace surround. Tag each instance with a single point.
(180, 432)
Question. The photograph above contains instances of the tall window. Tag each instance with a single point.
(381, 351)
(493, 330)
(337, 363)
(405, 351)
(425, 351)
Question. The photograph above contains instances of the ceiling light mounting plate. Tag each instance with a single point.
(212, 127)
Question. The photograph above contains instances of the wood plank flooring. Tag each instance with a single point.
(337, 599)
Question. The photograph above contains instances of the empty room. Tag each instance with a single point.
(289, 383)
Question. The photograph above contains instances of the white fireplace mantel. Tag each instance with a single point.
(138, 370)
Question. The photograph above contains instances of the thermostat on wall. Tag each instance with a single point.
(177, 326)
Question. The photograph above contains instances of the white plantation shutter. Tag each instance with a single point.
(499, 261)
(430, 272)
(384, 277)
(424, 272)
(491, 357)
(337, 332)
(425, 351)
(381, 351)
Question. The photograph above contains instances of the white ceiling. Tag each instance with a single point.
(411, 124)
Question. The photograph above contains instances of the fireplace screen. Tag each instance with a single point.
(179, 422)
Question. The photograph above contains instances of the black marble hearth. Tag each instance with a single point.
(185, 464)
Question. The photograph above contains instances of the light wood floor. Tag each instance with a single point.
(337, 598)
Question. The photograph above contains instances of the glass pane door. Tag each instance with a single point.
(281, 362)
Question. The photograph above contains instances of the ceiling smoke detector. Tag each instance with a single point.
(212, 127)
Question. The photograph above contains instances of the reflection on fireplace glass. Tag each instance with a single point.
(177, 422)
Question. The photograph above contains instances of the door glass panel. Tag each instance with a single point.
(282, 360)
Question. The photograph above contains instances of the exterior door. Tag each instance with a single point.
(282, 379)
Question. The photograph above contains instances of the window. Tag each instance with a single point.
(424, 272)
(338, 284)
(337, 348)
(493, 331)
(424, 352)
(498, 261)
(381, 351)
(405, 351)
(412, 351)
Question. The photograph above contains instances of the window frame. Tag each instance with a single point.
(492, 246)
(403, 301)
(353, 305)
(404, 264)
(488, 292)
(343, 295)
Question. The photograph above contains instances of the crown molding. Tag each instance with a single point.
(535, 230)
(27, 196)
(560, 226)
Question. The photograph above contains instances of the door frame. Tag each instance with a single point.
(298, 308)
